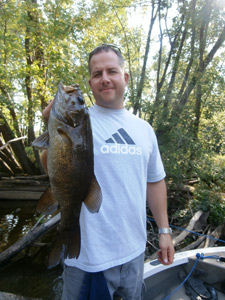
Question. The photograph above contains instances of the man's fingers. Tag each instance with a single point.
(164, 257)
(171, 255)
(166, 253)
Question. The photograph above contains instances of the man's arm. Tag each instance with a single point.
(46, 111)
(157, 202)
(44, 154)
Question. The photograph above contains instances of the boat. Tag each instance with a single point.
(195, 274)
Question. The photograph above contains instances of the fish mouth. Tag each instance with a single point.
(76, 113)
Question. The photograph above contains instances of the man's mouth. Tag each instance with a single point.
(106, 89)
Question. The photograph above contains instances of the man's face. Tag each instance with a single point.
(108, 80)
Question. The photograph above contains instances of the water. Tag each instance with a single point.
(27, 273)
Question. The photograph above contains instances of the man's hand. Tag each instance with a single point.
(166, 252)
(46, 111)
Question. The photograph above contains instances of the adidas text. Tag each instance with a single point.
(121, 149)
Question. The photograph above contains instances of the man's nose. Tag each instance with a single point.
(105, 77)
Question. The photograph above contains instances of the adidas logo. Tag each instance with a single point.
(121, 143)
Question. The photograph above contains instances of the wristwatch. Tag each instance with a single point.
(165, 230)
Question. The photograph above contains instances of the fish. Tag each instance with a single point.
(70, 167)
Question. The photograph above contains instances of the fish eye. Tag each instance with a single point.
(81, 100)
(73, 102)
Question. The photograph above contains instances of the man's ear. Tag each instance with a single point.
(126, 78)
(89, 81)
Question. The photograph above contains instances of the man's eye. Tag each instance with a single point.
(96, 75)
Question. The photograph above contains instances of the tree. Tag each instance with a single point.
(8, 81)
(52, 41)
(174, 65)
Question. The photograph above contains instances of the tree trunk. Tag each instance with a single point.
(192, 51)
(178, 108)
(161, 81)
(31, 135)
(8, 160)
(32, 14)
(10, 107)
(137, 104)
(203, 34)
(169, 91)
(18, 147)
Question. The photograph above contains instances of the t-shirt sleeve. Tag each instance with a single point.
(156, 170)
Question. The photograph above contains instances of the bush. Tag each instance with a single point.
(30, 153)
(209, 196)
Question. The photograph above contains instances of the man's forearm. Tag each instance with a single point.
(44, 160)
(157, 202)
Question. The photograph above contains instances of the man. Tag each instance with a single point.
(127, 162)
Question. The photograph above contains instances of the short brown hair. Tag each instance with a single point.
(106, 48)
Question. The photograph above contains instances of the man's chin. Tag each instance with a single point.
(110, 103)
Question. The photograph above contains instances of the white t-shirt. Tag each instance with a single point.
(126, 157)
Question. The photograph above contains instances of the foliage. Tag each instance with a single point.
(210, 201)
(175, 57)
(30, 153)
(210, 193)
(213, 172)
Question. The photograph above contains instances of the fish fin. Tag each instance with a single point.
(42, 142)
(56, 254)
(47, 204)
(66, 245)
(93, 200)
(65, 131)
(72, 243)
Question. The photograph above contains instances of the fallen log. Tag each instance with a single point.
(28, 239)
(20, 195)
(11, 141)
(190, 227)
(194, 181)
(196, 244)
(28, 178)
(216, 234)
(23, 188)
(206, 241)
(193, 245)
(184, 189)
(205, 244)
(9, 296)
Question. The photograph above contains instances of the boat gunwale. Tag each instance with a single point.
(152, 267)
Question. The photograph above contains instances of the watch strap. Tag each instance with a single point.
(165, 230)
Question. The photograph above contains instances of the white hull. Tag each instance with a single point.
(162, 280)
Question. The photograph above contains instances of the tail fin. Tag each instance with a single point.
(72, 243)
(66, 245)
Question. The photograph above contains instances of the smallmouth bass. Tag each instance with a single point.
(70, 164)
